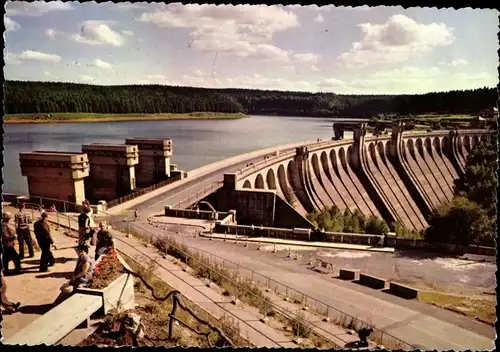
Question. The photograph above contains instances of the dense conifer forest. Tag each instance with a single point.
(50, 97)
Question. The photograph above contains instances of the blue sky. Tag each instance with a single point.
(331, 49)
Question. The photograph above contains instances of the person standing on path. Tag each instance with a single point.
(44, 239)
(23, 231)
(84, 226)
(9, 250)
(136, 215)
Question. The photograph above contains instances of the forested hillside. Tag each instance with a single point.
(49, 97)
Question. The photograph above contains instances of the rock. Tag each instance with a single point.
(235, 301)
(287, 299)
(306, 308)
(298, 340)
(131, 328)
(287, 328)
(264, 320)
(189, 270)
(326, 319)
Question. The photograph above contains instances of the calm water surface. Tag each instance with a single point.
(196, 143)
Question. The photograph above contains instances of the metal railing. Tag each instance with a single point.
(237, 286)
(237, 281)
(325, 309)
(330, 312)
(142, 191)
(191, 199)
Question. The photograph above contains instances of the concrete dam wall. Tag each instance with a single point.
(400, 177)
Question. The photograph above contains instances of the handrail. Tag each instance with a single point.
(253, 274)
(142, 191)
(288, 289)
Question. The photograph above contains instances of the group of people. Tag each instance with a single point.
(97, 235)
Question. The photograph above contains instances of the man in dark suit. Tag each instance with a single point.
(44, 239)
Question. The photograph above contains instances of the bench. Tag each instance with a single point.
(402, 291)
(54, 325)
(348, 274)
(371, 281)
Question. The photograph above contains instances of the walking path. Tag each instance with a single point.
(282, 242)
(35, 290)
(402, 321)
(215, 303)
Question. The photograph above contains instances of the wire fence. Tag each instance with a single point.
(143, 191)
(242, 275)
(335, 315)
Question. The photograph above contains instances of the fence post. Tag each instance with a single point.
(64, 207)
(69, 223)
(57, 217)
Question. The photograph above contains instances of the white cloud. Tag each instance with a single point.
(10, 25)
(410, 80)
(156, 77)
(314, 68)
(396, 41)
(459, 62)
(35, 9)
(289, 68)
(102, 64)
(98, 33)
(319, 19)
(38, 56)
(11, 59)
(307, 57)
(241, 30)
(51, 33)
(129, 33)
(201, 79)
(331, 84)
(86, 78)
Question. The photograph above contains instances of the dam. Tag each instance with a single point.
(400, 177)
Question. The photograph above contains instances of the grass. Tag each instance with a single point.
(155, 317)
(481, 308)
(251, 294)
(90, 117)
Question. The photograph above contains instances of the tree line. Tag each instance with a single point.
(55, 97)
(471, 217)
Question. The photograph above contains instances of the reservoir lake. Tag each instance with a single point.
(196, 142)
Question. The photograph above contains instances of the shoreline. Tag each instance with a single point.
(122, 118)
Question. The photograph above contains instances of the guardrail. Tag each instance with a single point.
(329, 311)
(236, 286)
(142, 191)
(198, 195)
(280, 156)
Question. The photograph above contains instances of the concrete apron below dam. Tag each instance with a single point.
(409, 321)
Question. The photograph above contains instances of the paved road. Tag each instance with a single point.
(180, 193)
(419, 324)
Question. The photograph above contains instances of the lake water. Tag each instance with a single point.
(196, 143)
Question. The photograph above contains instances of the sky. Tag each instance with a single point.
(344, 50)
